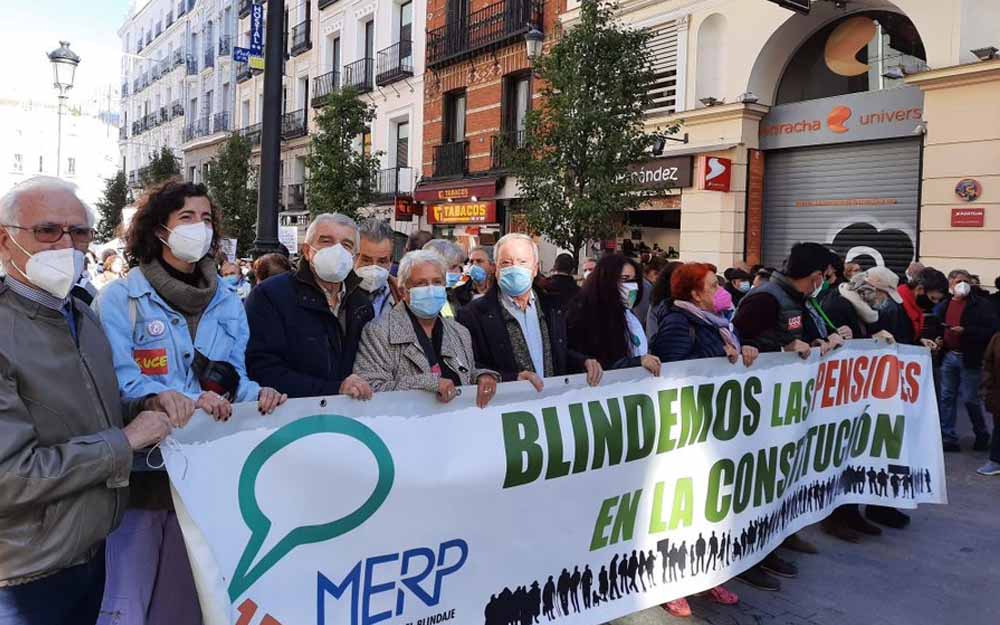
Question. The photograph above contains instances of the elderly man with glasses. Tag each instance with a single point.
(65, 456)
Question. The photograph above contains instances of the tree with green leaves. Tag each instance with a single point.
(232, 183)
(116, 197)
(341, 175)
(164, 166)
(573, 166)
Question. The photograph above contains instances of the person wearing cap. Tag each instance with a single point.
(885, 299)
(738, 283)
(968, 322)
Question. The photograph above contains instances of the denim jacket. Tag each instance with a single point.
(154, 354)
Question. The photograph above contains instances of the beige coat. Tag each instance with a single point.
(390, 357)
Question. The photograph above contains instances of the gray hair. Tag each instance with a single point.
(419, 257)
(959, 272)
(515, 236)
(448, 250)
(485, 249)
(330, 218)
(375, 230)
(10, 201)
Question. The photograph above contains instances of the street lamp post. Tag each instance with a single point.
(270, 152)
(64, 62)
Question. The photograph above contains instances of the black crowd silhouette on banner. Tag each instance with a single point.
(634, 571)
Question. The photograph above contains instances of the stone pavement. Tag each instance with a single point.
(942, 570)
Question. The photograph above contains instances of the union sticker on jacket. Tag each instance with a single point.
(151, 361)
(794, 323)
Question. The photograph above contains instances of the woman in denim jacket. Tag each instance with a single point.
(170, 322)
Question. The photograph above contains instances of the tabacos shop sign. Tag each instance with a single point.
(842, 119)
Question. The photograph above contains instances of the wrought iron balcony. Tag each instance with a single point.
(503, 146)
(136, 127)
(296, 197)
(209, 59)
(451, 159)
(192, 65)
(393, 182)
(251, 134)
(243, 72)
(178, 58)
(480, 31)
(177, 109)
(293, 124)
(220, 122)
(225, 45)
(395, 63)
(301, 37)
(122, 133)
(358, 75)
(199, 128)
(164, 114)
(323, 86)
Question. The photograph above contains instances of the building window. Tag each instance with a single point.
(366, 141)
(454, 117)
(403, 144)
(516, 102)
(18, 165)
(406, 34)
(70, 166)
(41, 164)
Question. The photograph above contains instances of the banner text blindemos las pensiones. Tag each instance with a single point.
(578, 504)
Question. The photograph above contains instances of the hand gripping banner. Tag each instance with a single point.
(576, 505)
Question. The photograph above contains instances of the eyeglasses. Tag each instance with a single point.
(51, 233)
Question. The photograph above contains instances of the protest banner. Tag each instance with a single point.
(576, 504)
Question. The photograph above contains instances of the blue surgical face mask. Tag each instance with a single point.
(744, 286)
(233, 280)
(427, 301)
(515, 280)
(478, 274)
(453, 279)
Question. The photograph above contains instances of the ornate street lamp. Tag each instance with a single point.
(533, 40)
(64, 62)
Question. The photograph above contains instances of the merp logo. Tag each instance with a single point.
(417, 573)
(837, 118)
(842, 46)
(250, 568)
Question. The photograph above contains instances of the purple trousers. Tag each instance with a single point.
(149, 578)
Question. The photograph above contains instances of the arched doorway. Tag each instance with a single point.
(842, 143)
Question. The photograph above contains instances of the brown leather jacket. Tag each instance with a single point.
(990, 388)
(64, 460)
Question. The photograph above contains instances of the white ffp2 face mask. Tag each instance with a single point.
(373, 277)
(54, 271)
(190, 242)
(332, 264)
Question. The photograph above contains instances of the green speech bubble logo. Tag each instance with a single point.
(244, 576)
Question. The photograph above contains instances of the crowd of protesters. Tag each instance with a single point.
(141, 340)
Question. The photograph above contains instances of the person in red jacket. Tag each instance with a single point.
(924, 291)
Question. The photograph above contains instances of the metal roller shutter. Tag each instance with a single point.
(861, 199)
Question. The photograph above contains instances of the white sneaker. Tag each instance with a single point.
(990, 468)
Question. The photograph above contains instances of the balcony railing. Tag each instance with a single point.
(177, 109)
(245, 7)
(164, 114)
(451, 159)
(220, 122)
(488, 28)
(123, 133)
(293, 124)
(199, 128)
(251, 134)
(178, 58)
(225, 45)
(323, 86)
(358, 75)
(243, 72)
(209, 59)
(136, 127)
(395, 63)
(503, 146)
(192, 65)
(296, 197)
(393, 182)
(301, 39)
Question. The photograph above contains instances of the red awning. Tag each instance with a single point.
(465, 189)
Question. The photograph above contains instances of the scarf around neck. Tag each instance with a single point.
(724, 326)
(190, 301)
